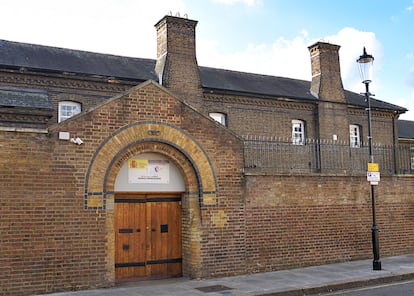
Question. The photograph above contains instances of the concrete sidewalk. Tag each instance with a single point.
(300, 281)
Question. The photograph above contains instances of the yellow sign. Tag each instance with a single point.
(373, 167)
(139, 164)
(148, 171)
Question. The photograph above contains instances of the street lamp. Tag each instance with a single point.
(365, 62)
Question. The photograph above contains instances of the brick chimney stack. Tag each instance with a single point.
(326, 86)
(326, 73)
(176, 65)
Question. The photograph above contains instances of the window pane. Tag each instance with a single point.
(219, 117)
(354, 136)
(68, 109)
(412, 158)
(298, 132)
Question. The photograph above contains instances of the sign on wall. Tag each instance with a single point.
(148, 171)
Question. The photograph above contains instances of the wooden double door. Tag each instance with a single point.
(147, 236)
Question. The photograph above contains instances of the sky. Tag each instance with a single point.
(258, 36)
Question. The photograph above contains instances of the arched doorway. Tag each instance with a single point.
(188, 156)
(147, 218)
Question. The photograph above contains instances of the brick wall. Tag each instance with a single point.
(273, 117)
(50, 242)
(382, 125)
(296, 221)
(53, 238)
(262, 117)
(47, 241)
(270, 120)
(222, 230)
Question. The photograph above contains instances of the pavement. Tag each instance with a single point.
(301, 281)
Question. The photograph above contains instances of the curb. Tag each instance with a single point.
(341, 286)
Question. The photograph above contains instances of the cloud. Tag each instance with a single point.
(284, 57)
(109, 26)
(289, 57)
(409, 104)
(352, 42)
(411, 7)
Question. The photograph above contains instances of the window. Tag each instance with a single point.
(354, 136)
(68, 109)
(412, 158)
(219, 117)
(298, 132)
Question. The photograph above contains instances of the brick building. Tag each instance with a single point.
(115, 168)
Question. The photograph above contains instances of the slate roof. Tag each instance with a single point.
(16, 55)
(405, 129)
(25, 98)
(265, 85)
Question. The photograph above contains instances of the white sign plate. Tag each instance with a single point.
(373, 177)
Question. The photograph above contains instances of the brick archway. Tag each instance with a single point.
(180, 148)
(97, 188)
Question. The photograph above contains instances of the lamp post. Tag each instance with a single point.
(365, 62)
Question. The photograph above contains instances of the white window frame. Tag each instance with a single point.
(219, 117)
(298, 132)
(354, 136)
(67, 109)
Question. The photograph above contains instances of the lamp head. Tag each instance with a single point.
(365, 63)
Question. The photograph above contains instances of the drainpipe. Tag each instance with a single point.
(394, 141)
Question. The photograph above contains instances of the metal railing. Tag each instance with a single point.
(315, 156)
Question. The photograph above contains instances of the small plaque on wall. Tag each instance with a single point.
(147, 171)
